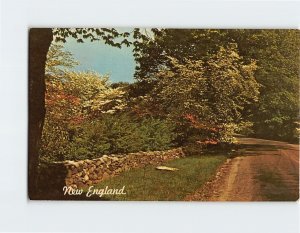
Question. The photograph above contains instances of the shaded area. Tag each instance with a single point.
(273, 187)
(259, 170)
(254, 146)
(51, 180)
(262, 170)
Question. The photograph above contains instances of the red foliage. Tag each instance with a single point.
(192, 119)
(61, 106)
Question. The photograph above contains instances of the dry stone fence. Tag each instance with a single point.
(84, 173)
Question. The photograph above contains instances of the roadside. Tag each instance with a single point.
(150, 184)
(264, 170)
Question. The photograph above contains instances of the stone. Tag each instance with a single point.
(98, 162)
(88, 161)
(80, 168)
(93, 171)
(115, 159)
(79, 174)
(74, 171)
(105, 175)
(86, 177)
(118, 170)
(89, 182)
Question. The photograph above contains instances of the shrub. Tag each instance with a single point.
(55, 142)
(156, 134)
(117, 134)
(193, 149)
(110, 134)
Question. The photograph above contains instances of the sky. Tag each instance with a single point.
(104, 59)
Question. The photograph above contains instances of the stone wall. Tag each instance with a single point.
(88, 172)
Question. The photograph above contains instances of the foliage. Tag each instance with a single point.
(58, 60)
(84, 119)
(276, 52)
(156, 134)
(94, 91)
(208, 95)
(81, 93)
(62, 108)
(108, 35)
(121, 134)
(192, 149)
(181, 44)
(39, 42)
(72, 99)
(245, 128)
(209, 84)
(277, 55)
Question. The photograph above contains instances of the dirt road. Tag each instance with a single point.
(263, 170)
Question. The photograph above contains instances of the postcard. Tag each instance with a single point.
(163, 114)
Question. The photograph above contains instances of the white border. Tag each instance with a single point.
(19, 214)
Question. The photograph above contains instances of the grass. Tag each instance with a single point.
(151, 184)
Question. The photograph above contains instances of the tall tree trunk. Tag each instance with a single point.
(39, 43)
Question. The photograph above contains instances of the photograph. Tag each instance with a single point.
(163, 114)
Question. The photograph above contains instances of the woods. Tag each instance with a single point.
(192, 87)
(276, 53)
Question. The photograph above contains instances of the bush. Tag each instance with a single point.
(193, 149)
(156, 134)
(55, 142)
(110, 134)
(115, 134)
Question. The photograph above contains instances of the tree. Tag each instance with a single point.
(72, 100)
(192, 44)
(277, 55)
(39, 42)
(58, 60)
(275, 51)
(209, 94)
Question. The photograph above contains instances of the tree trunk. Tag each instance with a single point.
(39, 43)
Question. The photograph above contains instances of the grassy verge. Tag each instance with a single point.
(151, 184)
